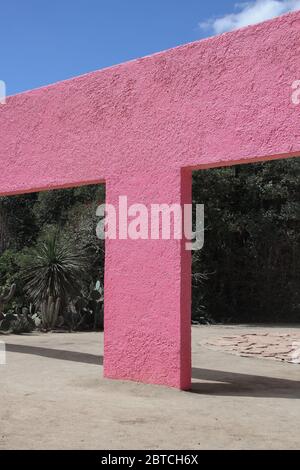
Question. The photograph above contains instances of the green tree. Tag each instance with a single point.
(251, 254)
(52, 274)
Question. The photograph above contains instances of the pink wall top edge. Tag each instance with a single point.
(211, 39)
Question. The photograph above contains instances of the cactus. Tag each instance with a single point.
(86, 310)
(6, 297)
(50, 310)
(96, 299)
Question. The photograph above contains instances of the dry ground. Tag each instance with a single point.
(53, 396)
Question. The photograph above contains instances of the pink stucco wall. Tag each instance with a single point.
(141, 127)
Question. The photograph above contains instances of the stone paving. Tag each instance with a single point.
(266, 345)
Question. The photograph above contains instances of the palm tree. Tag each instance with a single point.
(52, 276)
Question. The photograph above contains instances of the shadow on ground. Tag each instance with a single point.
(235, 384)
(220, 383)
(73, 356)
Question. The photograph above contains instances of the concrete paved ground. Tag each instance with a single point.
(53, 396)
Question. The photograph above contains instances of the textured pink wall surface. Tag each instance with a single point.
(141, 127)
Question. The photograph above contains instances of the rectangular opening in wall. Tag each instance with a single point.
(51, 261)
(246, 278)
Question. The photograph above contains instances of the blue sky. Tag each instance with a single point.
(46, 41)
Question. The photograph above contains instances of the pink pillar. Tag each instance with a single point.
(147, 322)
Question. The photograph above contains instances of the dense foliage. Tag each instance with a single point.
(49, 249)
(248, 270)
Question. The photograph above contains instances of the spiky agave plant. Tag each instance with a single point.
(52, 276)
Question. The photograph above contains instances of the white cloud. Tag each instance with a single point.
(250, 13)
